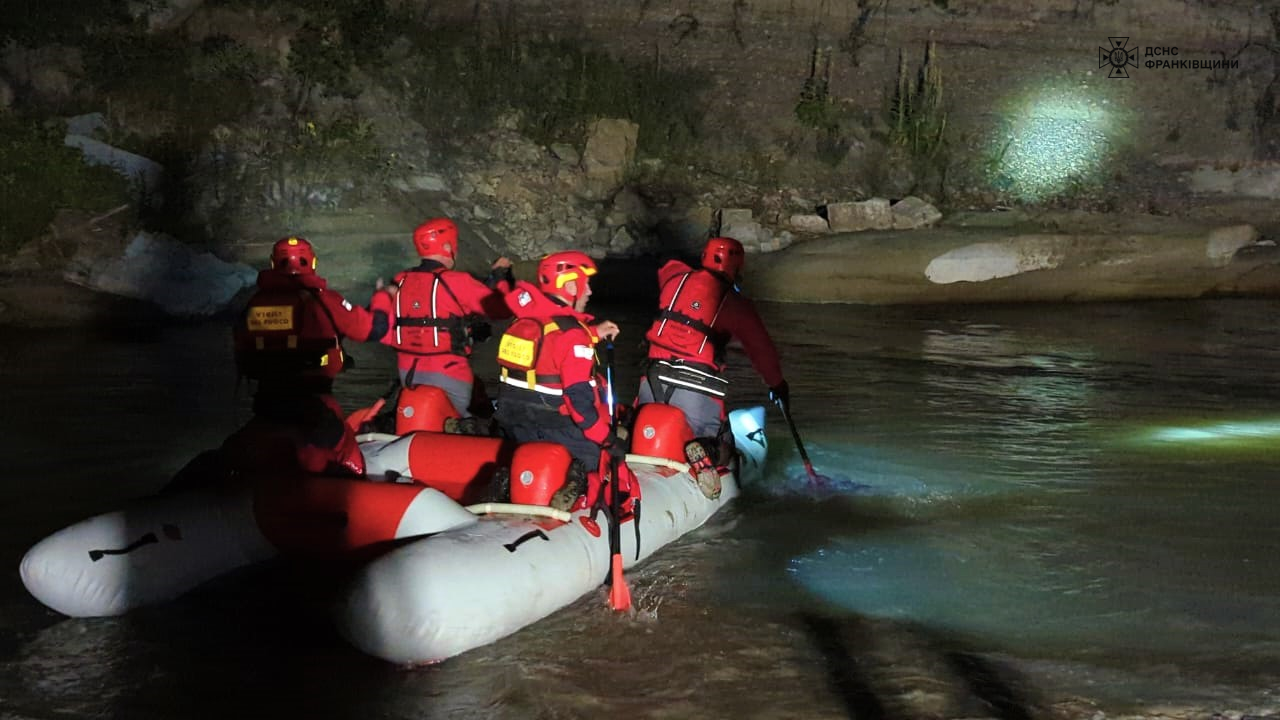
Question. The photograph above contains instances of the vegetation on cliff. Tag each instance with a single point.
(39, 175)
(312, 104)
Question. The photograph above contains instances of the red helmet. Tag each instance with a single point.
(437, 236)
(293, 255)
(724, 254)
(559, 268)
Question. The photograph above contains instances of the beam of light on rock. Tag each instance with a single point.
(1057, 140)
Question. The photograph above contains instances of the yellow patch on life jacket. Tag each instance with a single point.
(517, 351)
(270, 318)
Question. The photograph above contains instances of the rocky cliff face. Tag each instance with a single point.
(1078, 103)
(352, 123)
(1031, 107)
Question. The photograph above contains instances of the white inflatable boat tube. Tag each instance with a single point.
(442, 595)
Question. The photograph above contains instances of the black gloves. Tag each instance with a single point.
(616, 446)
(497, 275)
(480, 331)
(781, 394)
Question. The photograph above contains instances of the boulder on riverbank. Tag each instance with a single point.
(181, 280)
(94, 267)
(989, 258)
(973, 257)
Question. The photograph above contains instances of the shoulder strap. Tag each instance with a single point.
(333, 325)
(563, 322)
(440, 279)
(670, 313)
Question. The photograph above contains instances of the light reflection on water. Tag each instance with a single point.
(988, 494)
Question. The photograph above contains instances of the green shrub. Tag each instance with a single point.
(460, 82)
(335, 35)
(39, 175)
(318, 154)
(295, 165)
(171, 85)
(817, 110)
(319, 58)
(917, 118)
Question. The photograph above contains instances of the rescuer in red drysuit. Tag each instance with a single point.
(438, 313)
(289, 340)
(699, 312)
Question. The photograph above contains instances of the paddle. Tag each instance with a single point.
(808, 466)
(608, 383)
(619, 593)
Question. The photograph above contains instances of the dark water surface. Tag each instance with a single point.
(1029, 504)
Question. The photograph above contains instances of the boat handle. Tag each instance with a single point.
(516, 509)
(658, 461)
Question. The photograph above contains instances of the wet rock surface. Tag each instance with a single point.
(1015, 257)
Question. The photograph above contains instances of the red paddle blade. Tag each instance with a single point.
(813, 474)
(619, 593)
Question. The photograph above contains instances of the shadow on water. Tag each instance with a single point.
(254, 644)
(844, 672)
(996, 684)
(896, 671)
(882, 668)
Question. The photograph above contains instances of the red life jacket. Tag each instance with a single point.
(287, 334)
(685, 325)
(429, 319)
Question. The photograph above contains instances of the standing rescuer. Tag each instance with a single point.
(290, 341)
(699, 312)
(438, 313)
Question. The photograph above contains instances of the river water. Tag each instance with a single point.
(1031, 510)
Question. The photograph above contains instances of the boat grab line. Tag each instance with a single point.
(658, 461)
(375, 436)
(496, 508)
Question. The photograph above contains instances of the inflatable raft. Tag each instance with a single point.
(161, 547)
(432, 598)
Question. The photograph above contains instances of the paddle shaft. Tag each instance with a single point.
(620, 594)
(608, 384)
(808, 466)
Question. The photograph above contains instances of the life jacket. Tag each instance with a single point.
(427, 321)
(287, 334)
(690, 303)
(522, 363)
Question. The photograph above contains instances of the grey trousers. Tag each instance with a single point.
(459, 391)
(702, 411)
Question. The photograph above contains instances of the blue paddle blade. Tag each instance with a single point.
(747, 425)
